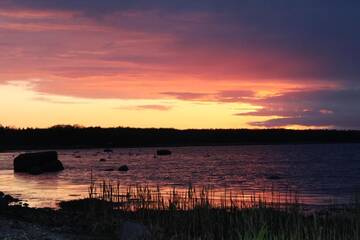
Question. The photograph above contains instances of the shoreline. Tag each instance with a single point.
(93, 218)
(59, 148)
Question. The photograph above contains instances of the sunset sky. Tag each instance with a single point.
(180, 63)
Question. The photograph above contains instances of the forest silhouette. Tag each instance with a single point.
(69, 136)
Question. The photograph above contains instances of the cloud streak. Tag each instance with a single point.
(155, 107)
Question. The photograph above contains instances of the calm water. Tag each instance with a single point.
(319, 174)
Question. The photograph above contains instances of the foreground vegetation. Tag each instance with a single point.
(194, 214)
(201, 214)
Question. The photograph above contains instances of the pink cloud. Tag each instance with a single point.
(28, 14)
(137, 54)
(156, 107)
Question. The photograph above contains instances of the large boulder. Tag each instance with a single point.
(37, 163)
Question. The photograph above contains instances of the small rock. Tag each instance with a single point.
(163, 152)
(108, 150)
(102, 160)
(109, 170)
(123, 168)
(133, 231)
(274, 177)
(9, 198)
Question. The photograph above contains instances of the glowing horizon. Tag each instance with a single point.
(179, 65)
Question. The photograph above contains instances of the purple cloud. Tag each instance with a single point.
(322, 108)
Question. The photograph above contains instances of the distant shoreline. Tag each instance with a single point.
(69, 137)
(173, 146)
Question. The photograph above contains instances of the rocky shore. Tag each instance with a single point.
(13, 229)
(140, 219)
(81, 219)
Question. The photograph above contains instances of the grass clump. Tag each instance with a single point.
(201, 213)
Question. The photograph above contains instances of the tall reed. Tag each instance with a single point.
(204, 213)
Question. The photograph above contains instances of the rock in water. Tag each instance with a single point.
(163, 152)
(124, 168)
(274, 177)
(37, 163)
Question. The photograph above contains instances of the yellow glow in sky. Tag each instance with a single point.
(22, 107)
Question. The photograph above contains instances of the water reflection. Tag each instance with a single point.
(45, 191)
(317, 173)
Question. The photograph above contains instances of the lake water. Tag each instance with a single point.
(319, 174)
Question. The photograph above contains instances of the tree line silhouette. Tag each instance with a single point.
(69, 136)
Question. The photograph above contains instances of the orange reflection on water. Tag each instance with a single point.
(45, 193)
(53, 188)
(181, 198)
